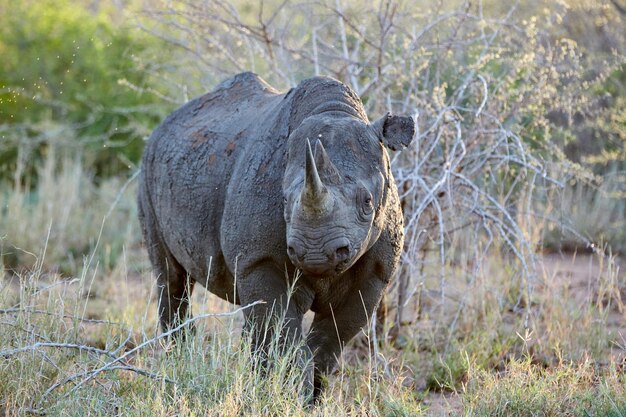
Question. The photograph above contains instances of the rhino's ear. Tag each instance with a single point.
(395, 132)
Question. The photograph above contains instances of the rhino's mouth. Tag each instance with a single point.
(319, 264)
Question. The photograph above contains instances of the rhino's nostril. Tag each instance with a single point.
(342, 253)
(295, 251)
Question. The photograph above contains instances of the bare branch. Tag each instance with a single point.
(89, 375)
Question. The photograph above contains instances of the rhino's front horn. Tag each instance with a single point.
(314, 192)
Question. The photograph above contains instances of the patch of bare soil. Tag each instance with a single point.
(443, 404)
(591, 279)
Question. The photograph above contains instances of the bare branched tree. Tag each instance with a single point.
(480, 88)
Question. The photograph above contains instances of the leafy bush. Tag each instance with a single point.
(64, 79)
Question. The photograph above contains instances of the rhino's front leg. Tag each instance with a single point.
(282, 310)
(333, 328)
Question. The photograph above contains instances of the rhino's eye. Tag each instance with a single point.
(365, 202)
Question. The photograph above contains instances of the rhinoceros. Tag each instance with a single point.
(244, 186)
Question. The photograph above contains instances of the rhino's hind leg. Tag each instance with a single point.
(174, 289)
(174, 285)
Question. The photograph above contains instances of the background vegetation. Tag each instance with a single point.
(519, 158)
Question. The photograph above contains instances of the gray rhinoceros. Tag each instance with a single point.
(242, 186)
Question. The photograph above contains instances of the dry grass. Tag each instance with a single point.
(65, 220)
(479, 351)
(485, 364)
(525, 389)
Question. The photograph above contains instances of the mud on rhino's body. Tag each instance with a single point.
(230, 186)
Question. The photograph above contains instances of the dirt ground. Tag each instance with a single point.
(579, 274)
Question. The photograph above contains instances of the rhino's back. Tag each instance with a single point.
(216, 117)
(188, 165)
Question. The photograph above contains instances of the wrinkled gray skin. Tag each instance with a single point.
(249, 182)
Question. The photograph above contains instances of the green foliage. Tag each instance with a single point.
(479, 350)
(64, 78)
(450, 372)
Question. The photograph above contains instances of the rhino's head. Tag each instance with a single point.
(336, 187)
